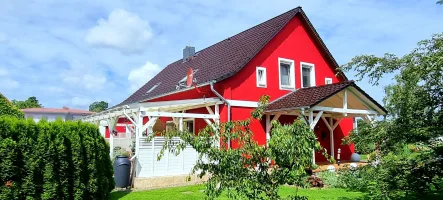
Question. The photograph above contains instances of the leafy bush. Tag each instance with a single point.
(358, 179)
(57, 160)
(8, 109)
(330, 179)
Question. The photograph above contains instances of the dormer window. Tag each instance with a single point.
(261, 77)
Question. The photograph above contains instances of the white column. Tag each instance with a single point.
(217, 124)
(331, 137)
(311, 120)
(111, 126)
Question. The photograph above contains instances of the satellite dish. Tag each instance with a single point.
(189, 77)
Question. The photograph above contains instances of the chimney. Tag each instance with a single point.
(188, 51)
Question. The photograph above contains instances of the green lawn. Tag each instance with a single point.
(196, 192)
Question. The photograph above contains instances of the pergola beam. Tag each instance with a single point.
(343, 111)
(314, 122)
(180, 115)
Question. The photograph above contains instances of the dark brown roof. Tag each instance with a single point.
(221, 60)
(311, 96)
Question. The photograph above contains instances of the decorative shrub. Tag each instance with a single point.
(53, 160)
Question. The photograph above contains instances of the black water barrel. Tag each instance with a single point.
(122, 170)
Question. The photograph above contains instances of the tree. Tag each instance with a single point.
(407, 138)
(251, 171)
(7, 108)
(98, 106)
(31, 102)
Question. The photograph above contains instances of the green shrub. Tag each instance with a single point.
(329, 178)
(8, 109)
(57, 160)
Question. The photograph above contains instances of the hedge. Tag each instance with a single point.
(53, 160)
(8, 109)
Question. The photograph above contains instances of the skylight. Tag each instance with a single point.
(153, 87)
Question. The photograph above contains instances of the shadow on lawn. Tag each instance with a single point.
(115, 195)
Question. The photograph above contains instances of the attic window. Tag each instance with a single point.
(328, 81)
(153, 87)
(261, 77)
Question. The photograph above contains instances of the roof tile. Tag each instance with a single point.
(307, 97)
(216, 62)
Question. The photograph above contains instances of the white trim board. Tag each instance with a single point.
(240, 103)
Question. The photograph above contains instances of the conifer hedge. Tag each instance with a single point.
(53, 160)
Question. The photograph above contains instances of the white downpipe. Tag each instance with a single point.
(226, 102)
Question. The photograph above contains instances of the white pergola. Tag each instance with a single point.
(154, 110)
(347, 103)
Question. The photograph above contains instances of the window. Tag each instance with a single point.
(153, 87)
(328, 81)
(261, 77)
(188, 125)
(307, 74)
(286, 73)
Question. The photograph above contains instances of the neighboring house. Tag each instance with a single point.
(51, 114)
(283, 57)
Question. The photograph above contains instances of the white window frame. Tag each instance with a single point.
(328, 80)
(312, 76)
(264, 77)
(190, 120)
(291, 74)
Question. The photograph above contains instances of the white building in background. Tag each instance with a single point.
(51, 114)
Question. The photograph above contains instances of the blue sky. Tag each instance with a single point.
(71, 53)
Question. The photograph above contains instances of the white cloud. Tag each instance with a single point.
(122, 30)
(139, 76)
(81, 101)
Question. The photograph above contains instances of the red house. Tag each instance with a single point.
(283, 57)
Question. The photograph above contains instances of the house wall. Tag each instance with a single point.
(293, 42)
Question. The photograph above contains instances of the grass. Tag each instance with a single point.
(196, 192)
(363, 157)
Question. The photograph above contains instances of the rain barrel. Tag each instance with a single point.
(122, 171)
